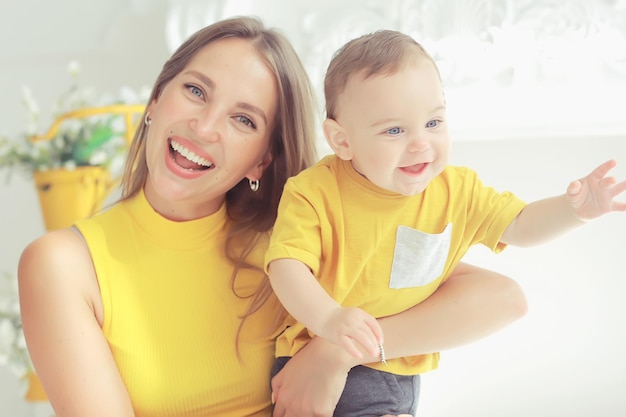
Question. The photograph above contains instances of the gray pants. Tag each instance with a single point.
(373, 393)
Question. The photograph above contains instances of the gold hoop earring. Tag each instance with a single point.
(254, 184)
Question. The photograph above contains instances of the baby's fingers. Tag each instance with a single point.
(374, 335)
(618, 189)
(375, 329)
(602, 169)
(614, 189)
(574, 188)
(363, 336)
(350, 346)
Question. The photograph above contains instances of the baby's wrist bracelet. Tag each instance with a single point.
(381, 350)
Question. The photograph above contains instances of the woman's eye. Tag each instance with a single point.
(246, 121)
(394, 131)
(432, 123)
(195, 90)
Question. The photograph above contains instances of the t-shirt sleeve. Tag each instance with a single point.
(296, 233)
(490, 212)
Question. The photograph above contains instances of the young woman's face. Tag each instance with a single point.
(396, 127)
(210, 128)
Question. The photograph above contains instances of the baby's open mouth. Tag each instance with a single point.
(415, 169)
(187, 159)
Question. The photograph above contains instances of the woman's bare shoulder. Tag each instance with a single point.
(58, 262)
(57, 249)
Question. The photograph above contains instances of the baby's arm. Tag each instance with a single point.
(306, 300)
(586, 199)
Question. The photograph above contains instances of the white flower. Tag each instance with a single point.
(144, 93)
(13, 351)
(74, 69)
(32, 109)
(29, 100)
(58, 142)
(39, 148)
(128, 95)
(98, 157)
(20, 340)
(78, 98)
(118, 125)
(70, 165)
(8, 335)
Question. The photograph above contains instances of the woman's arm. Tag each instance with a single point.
(472, 304)
(61, 312)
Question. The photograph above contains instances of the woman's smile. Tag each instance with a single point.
(188, 159)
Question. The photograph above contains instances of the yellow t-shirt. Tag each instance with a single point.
(379, 250)
(170, 315)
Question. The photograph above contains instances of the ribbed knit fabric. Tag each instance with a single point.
(170, 315)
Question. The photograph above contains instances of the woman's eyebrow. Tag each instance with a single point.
(243, 105)
(253, 109)
(206, 80)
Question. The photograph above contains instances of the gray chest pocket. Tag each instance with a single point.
(419, 258)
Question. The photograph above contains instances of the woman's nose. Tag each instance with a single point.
(207, 125)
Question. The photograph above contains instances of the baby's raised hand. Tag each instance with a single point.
(594, 195)
(349, 327)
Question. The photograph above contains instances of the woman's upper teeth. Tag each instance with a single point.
(190, 155)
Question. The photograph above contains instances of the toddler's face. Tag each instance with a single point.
(396, 127)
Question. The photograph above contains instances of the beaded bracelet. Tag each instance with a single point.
(381, 349)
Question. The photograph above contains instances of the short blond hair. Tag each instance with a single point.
(378, 53)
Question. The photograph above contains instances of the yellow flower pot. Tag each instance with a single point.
(69, 195)
(35, 389)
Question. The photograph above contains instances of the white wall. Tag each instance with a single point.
(564, 358)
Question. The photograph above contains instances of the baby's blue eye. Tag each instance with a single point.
(394, 131)
(432, 123)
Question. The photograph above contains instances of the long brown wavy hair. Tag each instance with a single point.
(292, 143)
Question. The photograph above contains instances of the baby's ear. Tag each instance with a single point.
(337, 138)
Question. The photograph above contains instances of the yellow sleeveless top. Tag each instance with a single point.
(170, 314)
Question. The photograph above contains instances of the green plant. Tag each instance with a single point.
(80, 140)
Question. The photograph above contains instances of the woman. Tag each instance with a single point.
(137, 310)
(134, 312)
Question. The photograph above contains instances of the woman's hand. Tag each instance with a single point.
(311, 383)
